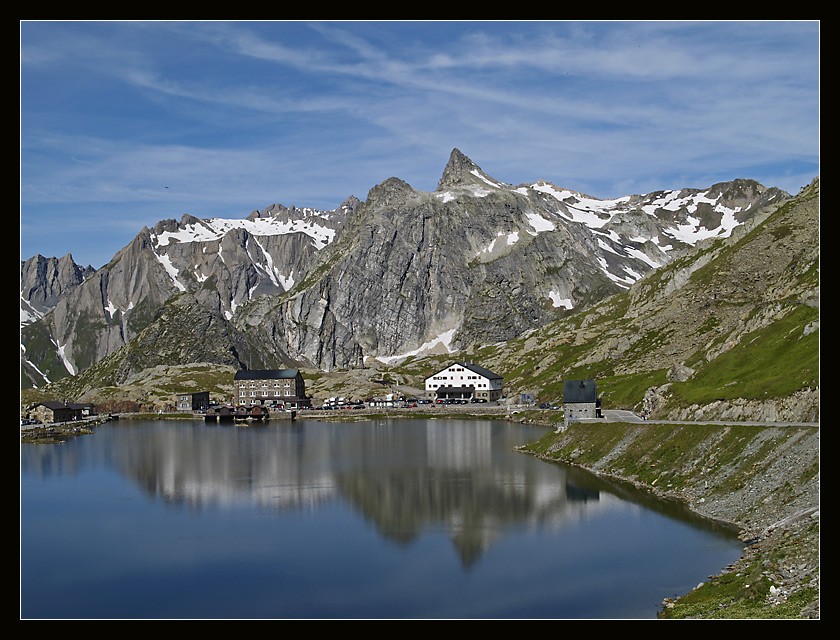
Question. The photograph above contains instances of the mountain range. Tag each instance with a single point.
(475, 262)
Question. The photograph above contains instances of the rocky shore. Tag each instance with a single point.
(764, 480)
(56, 432)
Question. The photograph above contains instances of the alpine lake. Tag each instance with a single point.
(375, 519)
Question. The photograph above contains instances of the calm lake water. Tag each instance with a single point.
(379, 519)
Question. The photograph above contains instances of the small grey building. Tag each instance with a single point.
(580, 400)
(194, 401)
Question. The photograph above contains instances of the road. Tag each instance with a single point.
(617, 415)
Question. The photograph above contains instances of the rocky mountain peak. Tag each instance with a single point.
(44, 281)
(350, 204)
(390, 192)
(163, 226)
(406, 271)
(269, 212)
(461, 171)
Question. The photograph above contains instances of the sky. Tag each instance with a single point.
(126, 123)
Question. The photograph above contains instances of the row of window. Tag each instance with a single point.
(435, 386)
(265, 384)
(244, 393)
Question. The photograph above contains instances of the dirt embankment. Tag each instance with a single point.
(764, 480)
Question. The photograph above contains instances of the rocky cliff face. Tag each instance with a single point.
(476, 261)
(45, 281)
(219, 264)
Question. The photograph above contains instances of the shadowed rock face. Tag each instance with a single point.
(44, 281)
(475, 261)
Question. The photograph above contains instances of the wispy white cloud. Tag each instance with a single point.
(233, 116)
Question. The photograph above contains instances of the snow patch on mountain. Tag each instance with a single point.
(623, 281)
(61, 350)
(28, 313)
(539, 223)
(495, 246)
(170, 270)
(443, 340)
(271, 272)
(311, 223)
(111, 309)
(35, 367)
(557, 301)
(692, 232)
(492, 183)
(596, 214)
(640, 255)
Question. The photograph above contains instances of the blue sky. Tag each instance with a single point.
(123, 124)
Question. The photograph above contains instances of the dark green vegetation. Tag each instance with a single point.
(776, 360)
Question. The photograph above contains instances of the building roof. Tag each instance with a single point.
(475, 369)
(265, 374)
(580, 391)
(56, 404)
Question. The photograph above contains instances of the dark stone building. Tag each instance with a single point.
(55, 411)
(282, 388)
(580, 400)
(196, 401)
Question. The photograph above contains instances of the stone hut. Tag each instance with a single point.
(580, 400)
(56, 411)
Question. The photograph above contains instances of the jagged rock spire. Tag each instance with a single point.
(460, 171)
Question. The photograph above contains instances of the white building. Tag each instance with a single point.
(464, 380)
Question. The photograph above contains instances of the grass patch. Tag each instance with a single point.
(741, 595)
(774, 361)
(627, 391)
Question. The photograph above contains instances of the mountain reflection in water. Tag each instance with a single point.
(406, 480)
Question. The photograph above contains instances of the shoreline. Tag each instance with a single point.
(762, 480)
